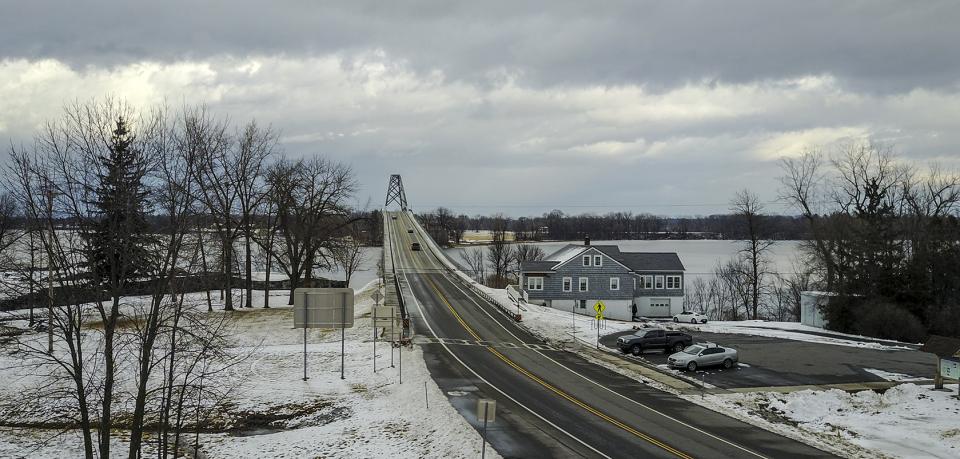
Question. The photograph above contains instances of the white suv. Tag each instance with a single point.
(690, 317)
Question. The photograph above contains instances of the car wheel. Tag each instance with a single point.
(676, 319)
(692, 366)
(677, 347)
(636, 349)
(727, 363)
(693, 321)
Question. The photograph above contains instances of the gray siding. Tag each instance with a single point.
(599, 283)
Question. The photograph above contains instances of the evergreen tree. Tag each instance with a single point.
(119, 242)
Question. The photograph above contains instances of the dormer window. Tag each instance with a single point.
(586, 260)
(597, 260)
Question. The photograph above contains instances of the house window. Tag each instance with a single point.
(567, 284)
(586, 260)
(648, 282)
(584, 283)
(659, 282)
(582, 304)
(673, 282)
(614, 283)
(534, 283)
(597, 260)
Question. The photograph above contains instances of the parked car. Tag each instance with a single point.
(690, 317)
(702, 355)
(653, 338)
(415, 246)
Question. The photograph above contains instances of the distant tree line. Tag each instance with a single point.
(108, 201)
(448, 228)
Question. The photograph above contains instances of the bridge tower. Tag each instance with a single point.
(395, 192)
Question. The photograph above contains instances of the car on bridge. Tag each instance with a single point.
(653, 338)
(702, 355)
(393, 217)
(410, 230)
(415, 246)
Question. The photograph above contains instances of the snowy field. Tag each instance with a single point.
(272, 412)
(907, 421)
(791, 330)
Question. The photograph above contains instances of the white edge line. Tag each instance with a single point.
(424, 320)
(742, 448)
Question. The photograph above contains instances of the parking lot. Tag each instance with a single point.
(766, 361)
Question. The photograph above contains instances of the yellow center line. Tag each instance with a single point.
(553, 388)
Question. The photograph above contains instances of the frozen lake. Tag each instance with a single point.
(698, 256)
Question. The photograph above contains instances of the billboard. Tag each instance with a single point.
(323, 308)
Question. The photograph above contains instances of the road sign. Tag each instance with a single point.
(323, 308)
(599, 307)
(377, 296)
(599, 316)
(950, 368)
(384, 316)
(486, 410)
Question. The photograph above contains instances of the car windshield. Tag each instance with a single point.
(693, 350)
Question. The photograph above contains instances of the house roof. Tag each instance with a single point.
(533, 266)
(635, 261)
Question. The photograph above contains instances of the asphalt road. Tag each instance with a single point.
(553, 403)
(785, 362)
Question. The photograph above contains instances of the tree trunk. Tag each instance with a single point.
(248, 268)
(228, 274)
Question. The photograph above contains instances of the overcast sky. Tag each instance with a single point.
(484, 107)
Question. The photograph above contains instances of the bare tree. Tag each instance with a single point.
(254, 147)
(311, 197)
(749, 209)
(500, 253)
(476, 262)
(349, 254)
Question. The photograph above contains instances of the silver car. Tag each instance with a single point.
(702, 355)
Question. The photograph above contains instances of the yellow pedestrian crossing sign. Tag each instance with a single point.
(599, 307)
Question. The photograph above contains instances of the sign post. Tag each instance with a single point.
(486, 412)
(950, 368)
(599, 308)
(323, 308)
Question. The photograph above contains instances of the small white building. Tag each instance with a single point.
(810, 304)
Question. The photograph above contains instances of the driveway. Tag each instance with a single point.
(769, 361)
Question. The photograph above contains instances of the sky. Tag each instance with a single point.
(516, 107)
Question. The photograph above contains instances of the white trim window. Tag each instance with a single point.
(614, 283)
(597, 260)
(647, 282)
(658, 282)
(567, 284)
(586, 260)
(535, 283)
(582, 304)
(673, 282)
(583, 283)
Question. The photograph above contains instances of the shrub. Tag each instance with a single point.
(882, 319)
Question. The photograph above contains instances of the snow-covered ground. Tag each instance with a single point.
(365, 415)
(907, 421)
(791, 330)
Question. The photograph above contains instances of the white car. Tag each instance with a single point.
(690, 317)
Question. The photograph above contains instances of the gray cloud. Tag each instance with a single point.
(490, 106)
(875, 44)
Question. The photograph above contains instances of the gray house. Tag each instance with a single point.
(576, 276)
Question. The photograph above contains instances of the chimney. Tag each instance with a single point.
(586, 240)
